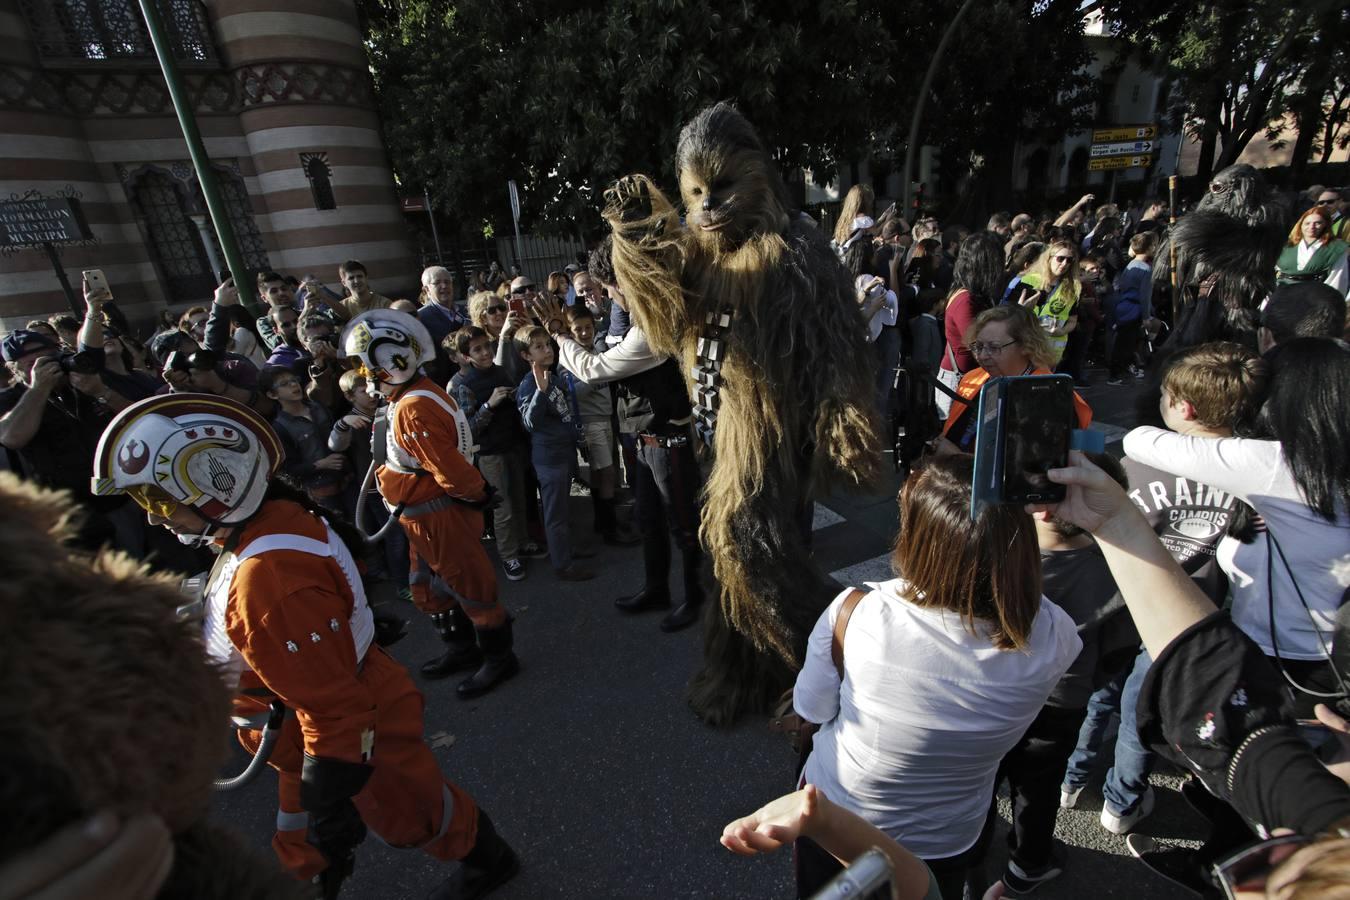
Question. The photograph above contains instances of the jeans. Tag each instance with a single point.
(555, 486)
(1127, 780)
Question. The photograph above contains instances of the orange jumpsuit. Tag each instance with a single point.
(290, 617)
(447, 541)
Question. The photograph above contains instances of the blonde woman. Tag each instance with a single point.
(859, 201)
(1051, 291)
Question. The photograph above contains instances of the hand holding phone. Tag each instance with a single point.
(96, 291)
(1024, 428)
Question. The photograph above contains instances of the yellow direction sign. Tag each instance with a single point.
(1124, 133)
(1103, 163)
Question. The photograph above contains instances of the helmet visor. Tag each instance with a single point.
(153, 499)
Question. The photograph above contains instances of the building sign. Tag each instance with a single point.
(1106, 163)
(1122, 148)
(1124, 133)
(33, 222)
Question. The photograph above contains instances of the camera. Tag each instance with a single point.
(179, 361)
(329, 339)
(82, 363)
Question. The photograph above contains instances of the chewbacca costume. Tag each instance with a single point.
(110, 703)
(765, 320)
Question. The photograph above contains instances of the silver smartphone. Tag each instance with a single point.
(868, 878)
(96, 280)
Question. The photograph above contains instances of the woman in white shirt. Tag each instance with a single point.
(1292, 567)
(944, 669)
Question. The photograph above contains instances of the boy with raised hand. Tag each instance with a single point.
(547, 401)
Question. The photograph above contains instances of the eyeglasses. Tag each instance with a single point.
(496, 308)
(1249, 868)
(153, 499)
(979, 348)
(522, 289)
(289, 382)
(1063, 259)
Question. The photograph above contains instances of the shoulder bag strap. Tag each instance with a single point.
(841, 625)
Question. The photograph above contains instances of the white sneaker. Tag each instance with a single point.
(514, 569)
(1126, 823)
(1068, 797)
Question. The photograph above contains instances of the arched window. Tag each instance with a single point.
(320, 179)
(175, 245)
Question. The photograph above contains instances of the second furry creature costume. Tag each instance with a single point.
(765, 321)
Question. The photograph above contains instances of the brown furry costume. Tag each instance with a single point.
(795, 414)
(109, 703)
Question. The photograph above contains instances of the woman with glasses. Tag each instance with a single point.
(1005, 340)
(1051, 291)
(1313, 254)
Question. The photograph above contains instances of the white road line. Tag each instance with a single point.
(824, 517)
(878, 568)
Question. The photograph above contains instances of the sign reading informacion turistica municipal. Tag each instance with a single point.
(48, 220)
(1113, 133)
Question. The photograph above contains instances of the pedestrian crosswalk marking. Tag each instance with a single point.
(878, 568)
(824, 517)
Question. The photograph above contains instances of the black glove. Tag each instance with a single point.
(327, 787)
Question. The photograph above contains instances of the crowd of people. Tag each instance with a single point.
(1000, 652)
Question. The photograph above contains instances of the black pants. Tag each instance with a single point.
(1127, 338)
(815, 867)
(666, 487)
(1035, 768)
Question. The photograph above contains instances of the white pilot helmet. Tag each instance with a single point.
(388, 345)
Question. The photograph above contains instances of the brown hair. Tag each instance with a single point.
(465, 337)
(1296, 233)
(988, 569)
(525, 336)
(1022, 327)
(1144, 243)
(1226, 383)
(580, 311)
(185, 319)
(1325, 873)
(557, 283)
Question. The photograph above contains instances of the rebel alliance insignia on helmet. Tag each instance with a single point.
(210, 453)
(388, 345)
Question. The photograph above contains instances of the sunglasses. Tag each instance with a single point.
(523, 289)
(1063, 259)
(496, 308)
(153, 499)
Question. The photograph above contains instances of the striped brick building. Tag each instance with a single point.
(284, 102)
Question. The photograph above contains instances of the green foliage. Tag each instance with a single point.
(564, 96)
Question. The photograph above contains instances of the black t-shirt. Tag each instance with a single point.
(1212, 704)
(61, 453)
(1080, 583)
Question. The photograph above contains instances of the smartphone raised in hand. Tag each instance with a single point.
(96, 281)
(1024, 428)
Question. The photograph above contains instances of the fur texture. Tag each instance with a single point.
(1234, 237)
(109, 700)
(796, 413)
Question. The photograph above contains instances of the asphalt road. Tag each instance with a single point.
(595, 770)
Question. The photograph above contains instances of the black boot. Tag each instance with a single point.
(607, 523)
(461, 653)
(687, 613)
(499, 662)
(490, 864)
(646, 599)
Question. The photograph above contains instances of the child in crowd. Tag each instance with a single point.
(351, 436)
(304, 426)
(1076, 578)
(595, 402)
(926, 340)
(1133, 305)
(484, 392)
(548, 405)
(1207, 391)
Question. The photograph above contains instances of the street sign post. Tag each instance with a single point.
(1108, 163)
(1122, 148)
(32, 221)
(515, 219)
(1114, 133)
